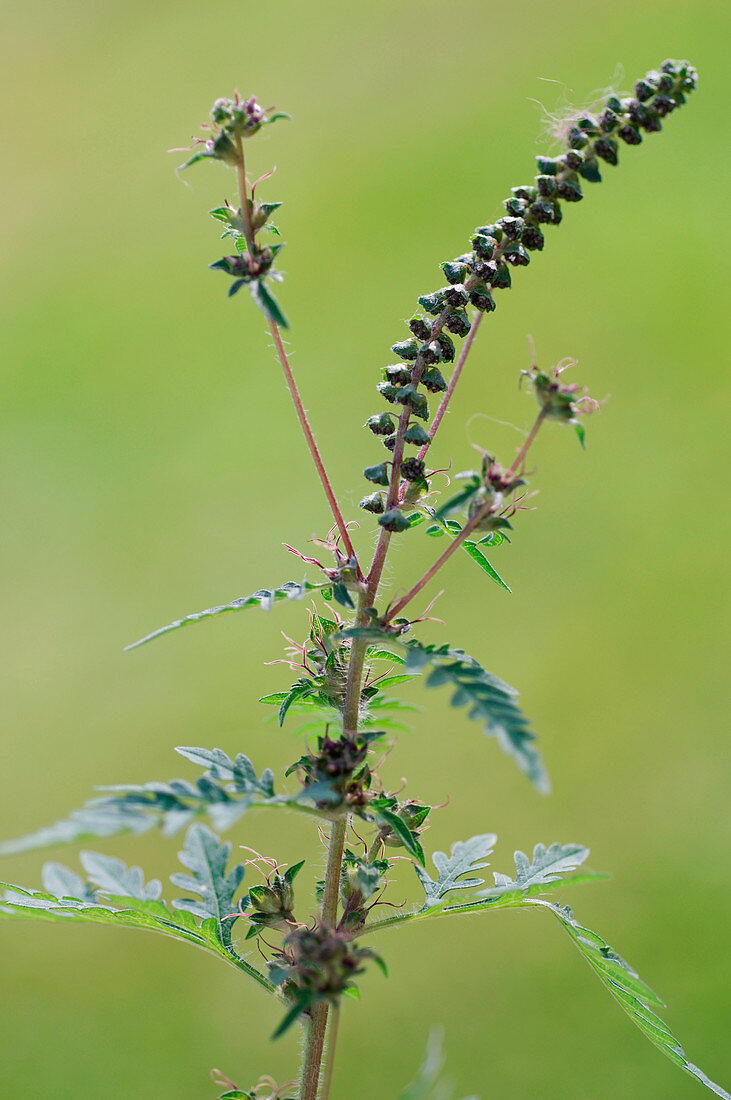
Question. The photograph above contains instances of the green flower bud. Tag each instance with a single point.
(420, 328)
(409, 395)
(433, 380)
(645, 89)
(381, 424)
(375, 503)
(576, 138)
(587, 125)
(455, 296)
(484, 246)
(432, 303)
(412, 469)
(542, 212)
(377, 474)
(549, 166)
(398, 374)
(416, 434)
(665, 83)
(390, 442)
(501, 279)
(454, 271)
(394, 520)
(515, 206)
(589, 170)
(490, 231)
(387, 390)
(638, 113)
(573, 160)
(653, 125)
(457, 322)
(614, 104)
(407, 349)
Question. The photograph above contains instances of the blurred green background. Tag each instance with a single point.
(151, 467)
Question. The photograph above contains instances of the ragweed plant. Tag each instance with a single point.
(360, 643)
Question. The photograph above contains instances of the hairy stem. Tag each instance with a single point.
(331, 1040)
(310, 439)
(282, 355)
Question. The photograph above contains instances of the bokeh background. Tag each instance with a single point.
(151, 467)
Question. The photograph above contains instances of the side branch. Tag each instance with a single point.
(310, 439)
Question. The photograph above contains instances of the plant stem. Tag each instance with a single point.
(315, 1041)
(458, 540)
(332, 1039)
(439, 415)
(520, 457)
(282, 355)
(310, 439)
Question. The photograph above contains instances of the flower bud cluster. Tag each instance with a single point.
(474, 277)
(317, 964)
(360, 879)
(339, 766)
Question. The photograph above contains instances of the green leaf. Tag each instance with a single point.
(409, 841)
(489, 700)
(207, 859)
(453, 528)
(628, 990)
(548, 865)
(580, 431)
(267, 303)
(225, 792)
(113, 903)
(265, 598)
(465, 856)
(301, 690)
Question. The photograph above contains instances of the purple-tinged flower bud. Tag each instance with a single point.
(542, 212)
(516, 255)
(515, 207)
(569, 189)
(589, 170)
(629, 135)
(484, 246)
(501, 279)
(390, 442)
(608, 120)
(455, 296)
(416, 401)
(606, 148)
(527, 193)
(573, 160)
(547, 186)
(412, 469)
(645, 89)
(482, 299)
(533, 238)
(446, 346)
(457, 322)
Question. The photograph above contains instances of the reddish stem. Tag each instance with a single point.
(310, 439)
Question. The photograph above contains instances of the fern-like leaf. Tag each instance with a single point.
(265, 598)
(117, 895)
(206, 858)
(547, 865)
(226, 790)
(465, 856)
